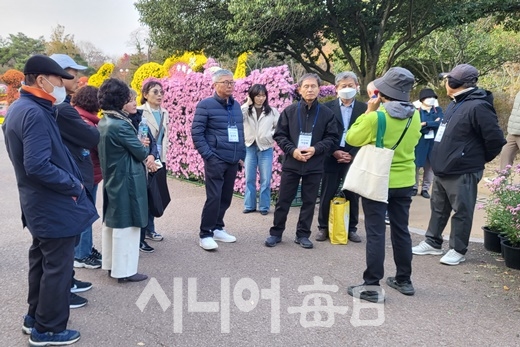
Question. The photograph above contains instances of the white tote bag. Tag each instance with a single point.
(369, 173)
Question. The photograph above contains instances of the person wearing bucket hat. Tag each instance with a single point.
(79, 137)
(431, 117)
(402, 128)
(54, 203)
(468, 137)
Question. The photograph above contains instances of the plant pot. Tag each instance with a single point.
(511, 255)
(502, 238)
(491, 240)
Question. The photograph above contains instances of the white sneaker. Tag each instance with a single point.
(424, 248)
(452, 257)
(208, 243)
(222, 236)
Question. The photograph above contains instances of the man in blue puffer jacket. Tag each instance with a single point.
(218, 135)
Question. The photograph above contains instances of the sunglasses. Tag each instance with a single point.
(157, 92)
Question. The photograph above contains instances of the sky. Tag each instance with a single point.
(105, 23)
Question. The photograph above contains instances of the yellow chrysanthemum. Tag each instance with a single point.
(240, 71)
(104, 72)
(195, 61)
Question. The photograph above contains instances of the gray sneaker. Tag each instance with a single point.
(424, 248)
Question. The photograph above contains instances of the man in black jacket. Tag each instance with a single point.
(306, 132)
(346, 110)
(79, 137)
(468, 138)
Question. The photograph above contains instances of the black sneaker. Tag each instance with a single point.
(369, 293)
(66, 337)
(96, 254)
(89, 262)
(76, 301)
(304, 242)
(152, 235)
(80, 286)
(271, 241)
(144, 247)
(404, 287)
(28, 324)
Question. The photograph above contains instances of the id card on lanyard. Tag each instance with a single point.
(305, 138)
(442, 126)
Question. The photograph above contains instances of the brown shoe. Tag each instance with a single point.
(354, 237)
(134, 278)
(322, 235)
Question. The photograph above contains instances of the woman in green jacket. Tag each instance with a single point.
(125, 204)
(402, 120)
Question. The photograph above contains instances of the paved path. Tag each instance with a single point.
(474, 304)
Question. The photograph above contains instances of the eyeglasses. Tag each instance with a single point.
(157, 92)
(228, 83)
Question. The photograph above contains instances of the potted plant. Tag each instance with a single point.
(503, 213)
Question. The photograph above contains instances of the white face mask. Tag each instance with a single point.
(59, 93)
(429, 101)
(347, 93)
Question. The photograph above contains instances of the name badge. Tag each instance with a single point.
(232, 132)
(304, 140)
(430, 135)
(440, 132)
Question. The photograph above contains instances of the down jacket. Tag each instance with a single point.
(210, 129)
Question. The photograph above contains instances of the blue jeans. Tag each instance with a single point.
(150, 226)
(84, 247)
(263, 160)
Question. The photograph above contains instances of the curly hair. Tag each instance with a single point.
(86, 98)
(113, 94)
(146, 88)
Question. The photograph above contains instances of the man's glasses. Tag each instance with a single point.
(228, 83)
(157, 92)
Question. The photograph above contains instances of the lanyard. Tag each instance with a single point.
(452, 111)
(230, 116)
(315, 118)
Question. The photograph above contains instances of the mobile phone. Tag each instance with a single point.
(376, 93)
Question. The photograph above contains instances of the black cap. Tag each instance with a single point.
(427, 93)
(43, 65)
(463, 73)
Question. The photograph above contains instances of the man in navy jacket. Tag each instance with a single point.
(54, 203)
(218, 135)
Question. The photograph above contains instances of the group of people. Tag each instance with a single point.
(319, 143)
(61, 150)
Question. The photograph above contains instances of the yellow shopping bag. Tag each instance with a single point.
(338, 220)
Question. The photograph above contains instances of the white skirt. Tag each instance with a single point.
(120, 249)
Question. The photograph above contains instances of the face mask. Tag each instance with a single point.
(429, 101)
(347, 93)
(59, 93)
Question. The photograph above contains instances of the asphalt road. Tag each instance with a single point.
(245, 294)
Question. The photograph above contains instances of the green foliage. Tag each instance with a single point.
(484, 44)
(16, 49)
(301, 29)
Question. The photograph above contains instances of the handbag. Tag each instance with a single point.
(339, 216)
(158, 193)
(369, 173)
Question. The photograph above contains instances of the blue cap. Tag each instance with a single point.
(67, 62)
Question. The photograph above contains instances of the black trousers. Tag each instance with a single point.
(399, 201)
(219, 180)
(329, 186)
(50, 273)
(309, 193)
(457, 193)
